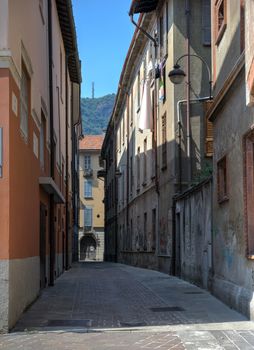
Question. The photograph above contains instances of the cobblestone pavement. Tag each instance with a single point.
(107, 306)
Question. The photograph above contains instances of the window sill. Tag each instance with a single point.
(88, 198)
(223, 200)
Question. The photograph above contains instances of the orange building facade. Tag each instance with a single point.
(39, 130)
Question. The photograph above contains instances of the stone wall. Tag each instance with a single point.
(193, 234)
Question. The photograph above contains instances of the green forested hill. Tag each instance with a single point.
(96, 113)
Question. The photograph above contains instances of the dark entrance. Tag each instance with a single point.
(43, 214)
(87, 248)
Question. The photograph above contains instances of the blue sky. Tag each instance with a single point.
(104, 34)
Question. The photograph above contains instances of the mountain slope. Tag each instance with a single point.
(96, 113)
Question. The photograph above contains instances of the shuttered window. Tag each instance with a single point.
(248, 148)
(88, 218)
(24, 103)
(206, 22)
(138, 169)
(145, 163)
(87, 162)
(220, 19)
(164, 140)
(222, 180)
(208, 131)
(88, 188)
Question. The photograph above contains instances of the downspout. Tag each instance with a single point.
(143, 31)
(128, 185)
(116, 194)
(67, 166)
(52, 150)
(188, 131)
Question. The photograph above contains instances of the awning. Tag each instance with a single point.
(49, 185)
(143, 6)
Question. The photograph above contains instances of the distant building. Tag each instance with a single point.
(91, 233)
(39, 128)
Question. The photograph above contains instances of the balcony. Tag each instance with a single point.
(88, 173)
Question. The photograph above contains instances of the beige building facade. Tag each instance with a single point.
(91, 232)
(145, 147)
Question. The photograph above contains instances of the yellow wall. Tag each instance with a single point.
(98, 189)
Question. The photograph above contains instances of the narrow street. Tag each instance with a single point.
(112, 306)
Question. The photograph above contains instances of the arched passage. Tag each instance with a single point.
(88, 248)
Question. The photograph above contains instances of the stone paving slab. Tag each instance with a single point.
(126, 340)
(112, 306)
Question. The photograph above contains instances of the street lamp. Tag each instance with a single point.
(177, 75)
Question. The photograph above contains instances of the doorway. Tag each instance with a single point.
(43, 215)
(88, 248)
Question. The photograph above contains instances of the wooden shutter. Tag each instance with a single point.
(208, 131)
(206, 22)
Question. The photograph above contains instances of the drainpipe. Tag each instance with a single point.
(143, 31)
(188, 130)
(67, 216)
(116, 193)
(52, 150)
(127, 179)
(66, 167)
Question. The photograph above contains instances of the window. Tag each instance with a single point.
(153, 243)
(248, 146)
(42, 140)
(138, 236)
(138, 92)
(161, 33)
(87, 162)
(145, 162)
(222, 180)
(88, 188)
(131, 108)
(123, 187)
(145, 231)
(154, 136)
(220, 19)
(206, 22)
(164, 140)
(61, 74)
(124, 127)
(88, 218)
(138, 169)
(131, 236)
(164, 83)
(24, 103)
